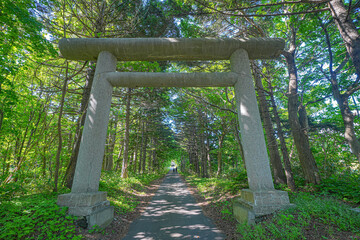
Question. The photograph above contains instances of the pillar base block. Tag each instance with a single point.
(91, 205)
(252, 205)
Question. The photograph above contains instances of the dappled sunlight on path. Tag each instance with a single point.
(173, 214)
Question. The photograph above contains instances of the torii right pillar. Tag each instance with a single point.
(261, 198)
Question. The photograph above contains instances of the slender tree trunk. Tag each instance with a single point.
(287, 165)
(203, 155)
(58, 153)
(124, 170)
(143, 161)
(70, 171)
(208, 159)
(301, 139)
(219, 154)
(348, 31)
(278, 170)
(109, 159)
(343, 99)
(238, 140)
(118, 161)
(141, 146)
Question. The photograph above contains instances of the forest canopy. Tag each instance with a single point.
(308, 97)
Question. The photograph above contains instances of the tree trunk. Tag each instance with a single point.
(278, 170)
(348, 31)
(219, 154)
(124, 170)
(143, 161)
(70, 171)
(142, 146)
(203, 155)
(301, 139)
(58, 153)
(343, 99)
(208, 159)
(109, 158)
(287, 165)
(118, 161)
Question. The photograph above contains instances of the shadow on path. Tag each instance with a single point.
(173, 214)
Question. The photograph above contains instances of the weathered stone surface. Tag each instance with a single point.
(145, 79)
(81, 199)
(92, 146)
(153, 49)
(252, 205)
(252, 135)
(87, 210)
(84, 199)
(92, 205)
(101, 218)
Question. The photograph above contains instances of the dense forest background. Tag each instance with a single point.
(308, 99)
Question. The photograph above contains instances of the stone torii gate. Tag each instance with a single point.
(85, 200)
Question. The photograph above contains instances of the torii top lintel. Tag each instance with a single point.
(157, 49)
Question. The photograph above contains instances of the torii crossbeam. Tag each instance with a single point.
(85, 200)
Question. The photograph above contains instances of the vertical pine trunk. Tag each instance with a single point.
(278, 170)
(143, 161)
(142, 146)
(124, 169)
(219, 154)
(208, 159)
(287, 165)
(307, 161)
(58, 153)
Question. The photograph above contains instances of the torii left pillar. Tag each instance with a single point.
(85, 199)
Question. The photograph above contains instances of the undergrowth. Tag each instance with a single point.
(27, 214)
(218, 191)
(122, 193)
(318, 214)
(313, 217)
(35, 217)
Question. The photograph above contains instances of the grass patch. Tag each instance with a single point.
(123, 193)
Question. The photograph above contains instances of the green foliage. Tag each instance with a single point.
(8, 191)
(35, 217)
(344, 186)
(310, 212)
(122, 193)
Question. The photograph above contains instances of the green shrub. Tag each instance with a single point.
(122, 193)
(35, 217)
(345, 186)
(310, 212)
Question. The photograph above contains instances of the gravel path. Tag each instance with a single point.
(173, 214)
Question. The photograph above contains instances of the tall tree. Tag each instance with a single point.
(297, 117)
